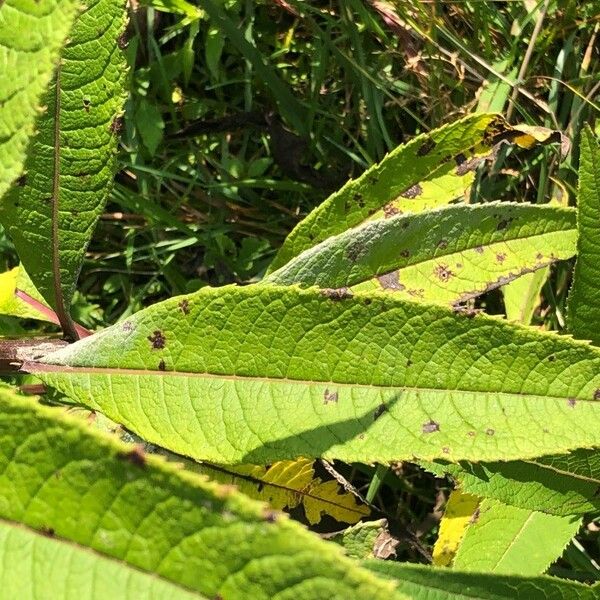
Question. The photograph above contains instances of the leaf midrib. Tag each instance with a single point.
(39, 367)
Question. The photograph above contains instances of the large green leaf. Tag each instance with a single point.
(420, 582)
(514, 541)
(31, 35)
(565, 484)
(264, 373)
(446, 255)
(584, 300)
(51, 212)
(86, 491)
(431, 170)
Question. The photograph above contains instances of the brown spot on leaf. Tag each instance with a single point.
(442, 244)
(446, 450)
(597, 394)
(430, 427)
(479, 249)
(460, 159)
(161, 365)
(503, 224)
(117, 125)
(136, 456)
(330, 397)
(471, 433)
(184, 306)
(500, 257)
(443, 273)
(468, 165)
(379, 411)
(157, 340)
(490, 431)
(337, 293)
(412, 192)
(391, 281)
(368, 301)
(572, 402)
(355, 251)
(539, 256)
(127, 326)
(474, 517)
(389, 210)
(426, 147)
(358, 197)
(86, 104)
(416, 293)
(405, 253)
(47, 531)
(21, 181)
(123, 41)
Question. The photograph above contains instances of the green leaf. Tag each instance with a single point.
(514, 541)
(367, 540)
(88, 491)
(50, 215)
(561, 485)
(448, 255)
(42, 567)
(431, 170)
(263, 373)
(12, 304)
(28, 62)
(522, 296)
(584, 299)
(417, 581)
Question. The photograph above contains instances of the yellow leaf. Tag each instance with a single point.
(289, 484)
(10, 303)
(460, 512)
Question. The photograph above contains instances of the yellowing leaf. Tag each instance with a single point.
(460, 511)
(288, 484)
(10, 303)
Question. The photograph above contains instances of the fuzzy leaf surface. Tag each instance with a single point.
(431, 170)
(446, 255)
(584, 299)
(91, 492)
(27, 64)
(51, 212)
(263, 373)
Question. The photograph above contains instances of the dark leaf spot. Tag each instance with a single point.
(405, 253)
(391, 281)
(86, 104)
(459, 159)
(490, 431)
(379, 411)
(122, 41)
(503, 224)
(412, 192)
(443, 273)
(184, 306)
(430, 427)
(417, 293)
(21, 181)
(446, 450)
(359, 199)
(409, 363)
(337, 293)
(389, 210)
(162, 366)
(426, 147)
(597, 394)
(539, 256)
(117, 125)
(552, 358)
(355, 251)
(127, 326)
(136, 456)
(47, 531)
(158, 340)
(442, 244)
(572, 402)
(479, 249)
(330, 397)
(471, 433)
(500, 257)
(368, 301)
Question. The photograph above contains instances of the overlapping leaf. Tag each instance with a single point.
(156, 530)
(445, 584)
(561, 485)
(431, 170)
(51, 211)
(446, 255)
(584, 299)
(26, 66)
(11, 283)
(263, 373)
